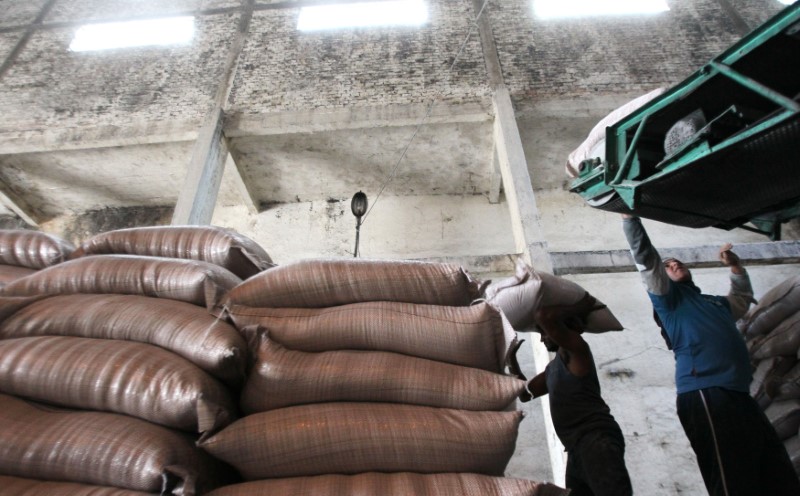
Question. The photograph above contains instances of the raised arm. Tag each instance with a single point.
(741, 292)
(645, 256)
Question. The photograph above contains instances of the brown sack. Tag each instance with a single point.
(350, 438)
(10, 273)
(520, 296)
(282, 377)
(767, 377)
(217, 245)
(17, 486)
(32, 249)
(783, 339)
(185, 329)
(327, 283)
(475, 336)
(106, 449)
(788, 385)
(137, 379)
(784, 417)
(777, 304)
(200, 283)
(400, 484)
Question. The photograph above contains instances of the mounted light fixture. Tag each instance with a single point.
(359, 207)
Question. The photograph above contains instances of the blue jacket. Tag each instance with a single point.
(709, 351)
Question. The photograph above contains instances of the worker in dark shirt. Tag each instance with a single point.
(582, 420)
(737, 449)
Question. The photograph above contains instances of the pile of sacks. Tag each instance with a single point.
(113, 364)
(169, 360)
(372, 377)
(772, 331)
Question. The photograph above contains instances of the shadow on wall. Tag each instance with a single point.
(77, 228)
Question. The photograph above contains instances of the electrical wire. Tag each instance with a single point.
(427, 115)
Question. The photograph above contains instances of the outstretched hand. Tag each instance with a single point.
(729, 258)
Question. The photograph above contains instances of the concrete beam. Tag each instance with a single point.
(17, 206)
(526, 227)
(237, 176)
(594, 262)
(197, 198)
(497, 178)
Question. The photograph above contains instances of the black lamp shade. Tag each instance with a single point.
(359, 204)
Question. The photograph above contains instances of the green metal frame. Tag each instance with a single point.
(622, 172)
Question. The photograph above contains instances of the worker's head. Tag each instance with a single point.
(676, 270)
(548, 343)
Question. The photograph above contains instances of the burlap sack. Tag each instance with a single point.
(521, 295)
(18, 486)
(9, 305)
(792, 446)
(283, 377)
(475, 336)
(136, 379)
(185, 329)
(402, 484)
(105, 449)
(350, 438)
(788, 385)
(767, 377)
(10, 273)
(32, 249)
(598, 132)
(326, 283)
(217, 245)
(784, 417)
(199, 283)
(776, 305)
(783, 339)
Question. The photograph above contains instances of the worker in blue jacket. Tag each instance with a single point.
(737, 449)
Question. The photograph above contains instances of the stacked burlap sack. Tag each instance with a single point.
(521, 295)
(372, 377)
(113, 364)
(772, 331)
(24, 252)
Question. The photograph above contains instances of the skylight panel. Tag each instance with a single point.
(363, 14)
(149, 32)
(554, 9)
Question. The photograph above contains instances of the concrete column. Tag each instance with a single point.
(196, 200)
(198, 196)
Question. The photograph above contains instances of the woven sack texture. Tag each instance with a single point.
(788, 386)
(474, 336)
(399, 484)
(10, 273)
(283, 377)
(777, 304)
(185, 329)
(18, 486)
(767, 377)
(192, 281)
(350, 438)
(9, 305)
(598, 132)
(106, 449)
(136, 379)
(219, 246)
(784, 417)
(326, 283)
(783, 339)
(521, 295)
(32, 249)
